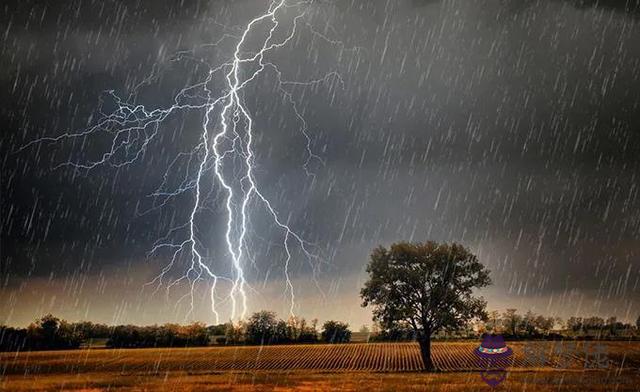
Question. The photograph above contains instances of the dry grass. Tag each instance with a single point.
(371, 367)
(582, 381)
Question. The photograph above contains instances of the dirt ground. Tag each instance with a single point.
(592, 380)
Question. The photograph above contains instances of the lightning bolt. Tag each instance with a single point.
(225, 152)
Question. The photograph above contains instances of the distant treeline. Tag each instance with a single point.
(52, 333)
(265, 328)
(513, 325)
(531, 325)
(48, 333)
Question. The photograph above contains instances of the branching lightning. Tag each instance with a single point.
(225, 151)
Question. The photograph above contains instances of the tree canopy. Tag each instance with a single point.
(335, 332)
(428, 286)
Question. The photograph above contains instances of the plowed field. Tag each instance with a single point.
(391, 357)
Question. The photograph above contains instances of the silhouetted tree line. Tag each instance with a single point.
(265, 328)
(47, 333)
(167, 335)
(52, 333)
(530, 325)
(513, 325)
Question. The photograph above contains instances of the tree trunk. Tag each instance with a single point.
(425, 351)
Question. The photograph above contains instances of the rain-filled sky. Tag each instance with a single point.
(510, 126)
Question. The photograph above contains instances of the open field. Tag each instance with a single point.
(379, 366)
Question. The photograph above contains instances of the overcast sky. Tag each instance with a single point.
(512, 127)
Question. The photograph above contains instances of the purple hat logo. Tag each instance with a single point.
(493, 357)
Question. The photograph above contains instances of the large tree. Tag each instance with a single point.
(426, 285)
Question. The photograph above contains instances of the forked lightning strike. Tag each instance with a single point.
(227, 136)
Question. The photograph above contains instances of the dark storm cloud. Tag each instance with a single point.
(513, 127)
(627, 7)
